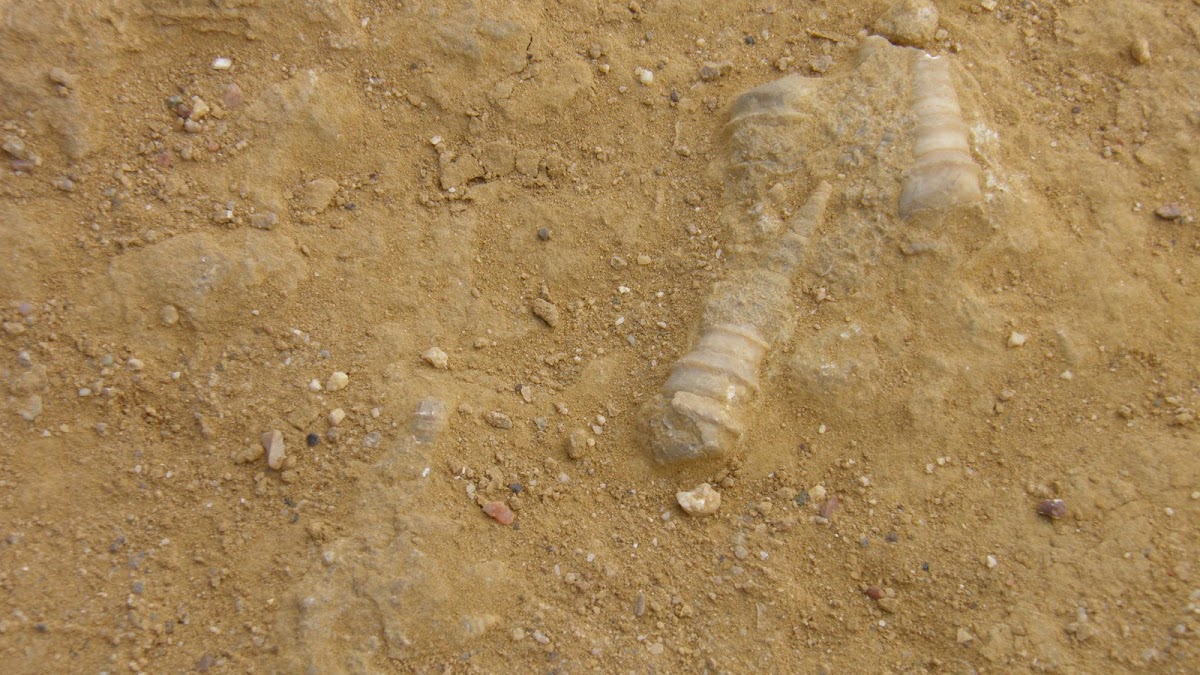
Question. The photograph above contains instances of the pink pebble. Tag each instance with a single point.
(830, 507)
(500, 512)
(232, 97)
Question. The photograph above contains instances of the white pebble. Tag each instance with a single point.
(644, 76)
(1016, 339)
(992, 562)
(314, 385)
(336, 416)
(700, 501)
(222, 63)
(337, 381)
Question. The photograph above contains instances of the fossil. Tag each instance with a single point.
(943, 174)
(699, 411)
(890, 127)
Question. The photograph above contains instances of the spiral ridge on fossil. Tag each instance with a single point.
(943, 174)
(701, 408)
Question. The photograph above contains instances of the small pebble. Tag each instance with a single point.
(646, 77)
(232, 96)
(336, 416)
(874, 592)
(436, 358)
(222, 63)
(66, 79)
(272, 442)
(710, 71)
(498, 419)
(1140, 50)
(830, 507)
(1016, 339)
(337, 381)
(1172, 211)
(577, 444)
(544, 233)
(200, 109)
(312, 440)
(1052, 508)
(700, 501)
(372, 439)
(169, 315)
(500, 512)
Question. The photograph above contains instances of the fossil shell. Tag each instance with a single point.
(698, 414)
(943, 174)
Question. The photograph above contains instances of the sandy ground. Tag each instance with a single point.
(190, 249)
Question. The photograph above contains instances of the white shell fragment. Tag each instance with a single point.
(943, 174)
(700, 501)
(222, 63)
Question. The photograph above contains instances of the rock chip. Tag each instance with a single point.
(337, 381)
(318, 194)
(911, 23)
(498, 419)
(700, 501)
(1052, 508)
(1172, 211)
(61, 76)
(272, 442)
(546, 311)
(1139, 49)
(577, 444)
(500, 512)
(710, 71)
(436, 358)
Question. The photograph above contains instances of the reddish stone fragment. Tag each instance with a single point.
(500, 512)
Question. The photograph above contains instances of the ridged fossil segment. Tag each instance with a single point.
(943, 174)
(429, 418)
(699, 412)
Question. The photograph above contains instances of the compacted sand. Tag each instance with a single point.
(448, 250)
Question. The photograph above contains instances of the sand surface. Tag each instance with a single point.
(502, 222)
